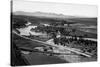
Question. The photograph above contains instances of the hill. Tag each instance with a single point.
(52, 17)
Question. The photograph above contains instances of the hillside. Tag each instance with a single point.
(52, 17)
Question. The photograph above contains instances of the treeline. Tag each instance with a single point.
(33, 19)
(86, 46)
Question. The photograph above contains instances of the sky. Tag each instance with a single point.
(58, 8)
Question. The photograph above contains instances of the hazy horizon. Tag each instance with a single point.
(56, 8)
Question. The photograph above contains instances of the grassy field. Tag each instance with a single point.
(35, 57)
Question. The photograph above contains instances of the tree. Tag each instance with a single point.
(63, 22)
(85, 35)
(53, 35)
(74, 30)
(18, 22)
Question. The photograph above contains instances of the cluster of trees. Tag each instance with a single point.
(87, 45)
(84, 45)
(18, 22)
(63, 31)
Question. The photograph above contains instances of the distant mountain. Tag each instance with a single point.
(43, 14)
(78, 19)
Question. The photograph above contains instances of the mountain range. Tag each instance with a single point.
(80, 19)
(44, 14)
